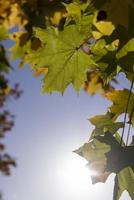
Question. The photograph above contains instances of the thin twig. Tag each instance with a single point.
(130, 124)
(125, 117)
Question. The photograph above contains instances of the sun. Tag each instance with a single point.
(74, 173)
(74, 180)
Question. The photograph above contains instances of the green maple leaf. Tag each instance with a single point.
(73, 10)
(128, 47)
(124, 181)
(62, 54)
(119, 99)
(93, 149)
(104, 123)
(78, 12)
(125, 56)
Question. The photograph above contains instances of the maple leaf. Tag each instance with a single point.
(119, 99)
(128, 47)
(124, 181)
(125, 56)
(116, 11)
(96, 84)
(64, 57)
(105, 56)
(73, 11)
(120, 161)
(94, 152)
(104, 123)
(80, 13)
(104, 27)
(105, 155)
(124, 153)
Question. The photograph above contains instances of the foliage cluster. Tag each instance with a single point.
(86, 43)
(6, 92)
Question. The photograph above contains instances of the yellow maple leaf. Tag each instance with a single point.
(56, 18)
(105, 27)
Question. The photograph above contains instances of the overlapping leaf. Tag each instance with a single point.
(128, 47)
(125, 56)
(119, 99)
(120, 161)
(104, 27)
(124, 181)
(105, 156)
(117, 11)
(95, 83)
(104, 123)
(81, 13)
(94, 152)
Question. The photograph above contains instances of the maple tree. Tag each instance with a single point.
(6, 117)
(86, 43)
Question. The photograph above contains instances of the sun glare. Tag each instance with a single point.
(74, 178)
(74, 173)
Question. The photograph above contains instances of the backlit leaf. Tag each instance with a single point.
(129, 47)
(62, 53)
(125, 181)
(119, 99)
(105, 156)
(94, 152)
(104, 123)
(105, 28)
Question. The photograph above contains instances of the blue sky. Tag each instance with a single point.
(48, 128)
